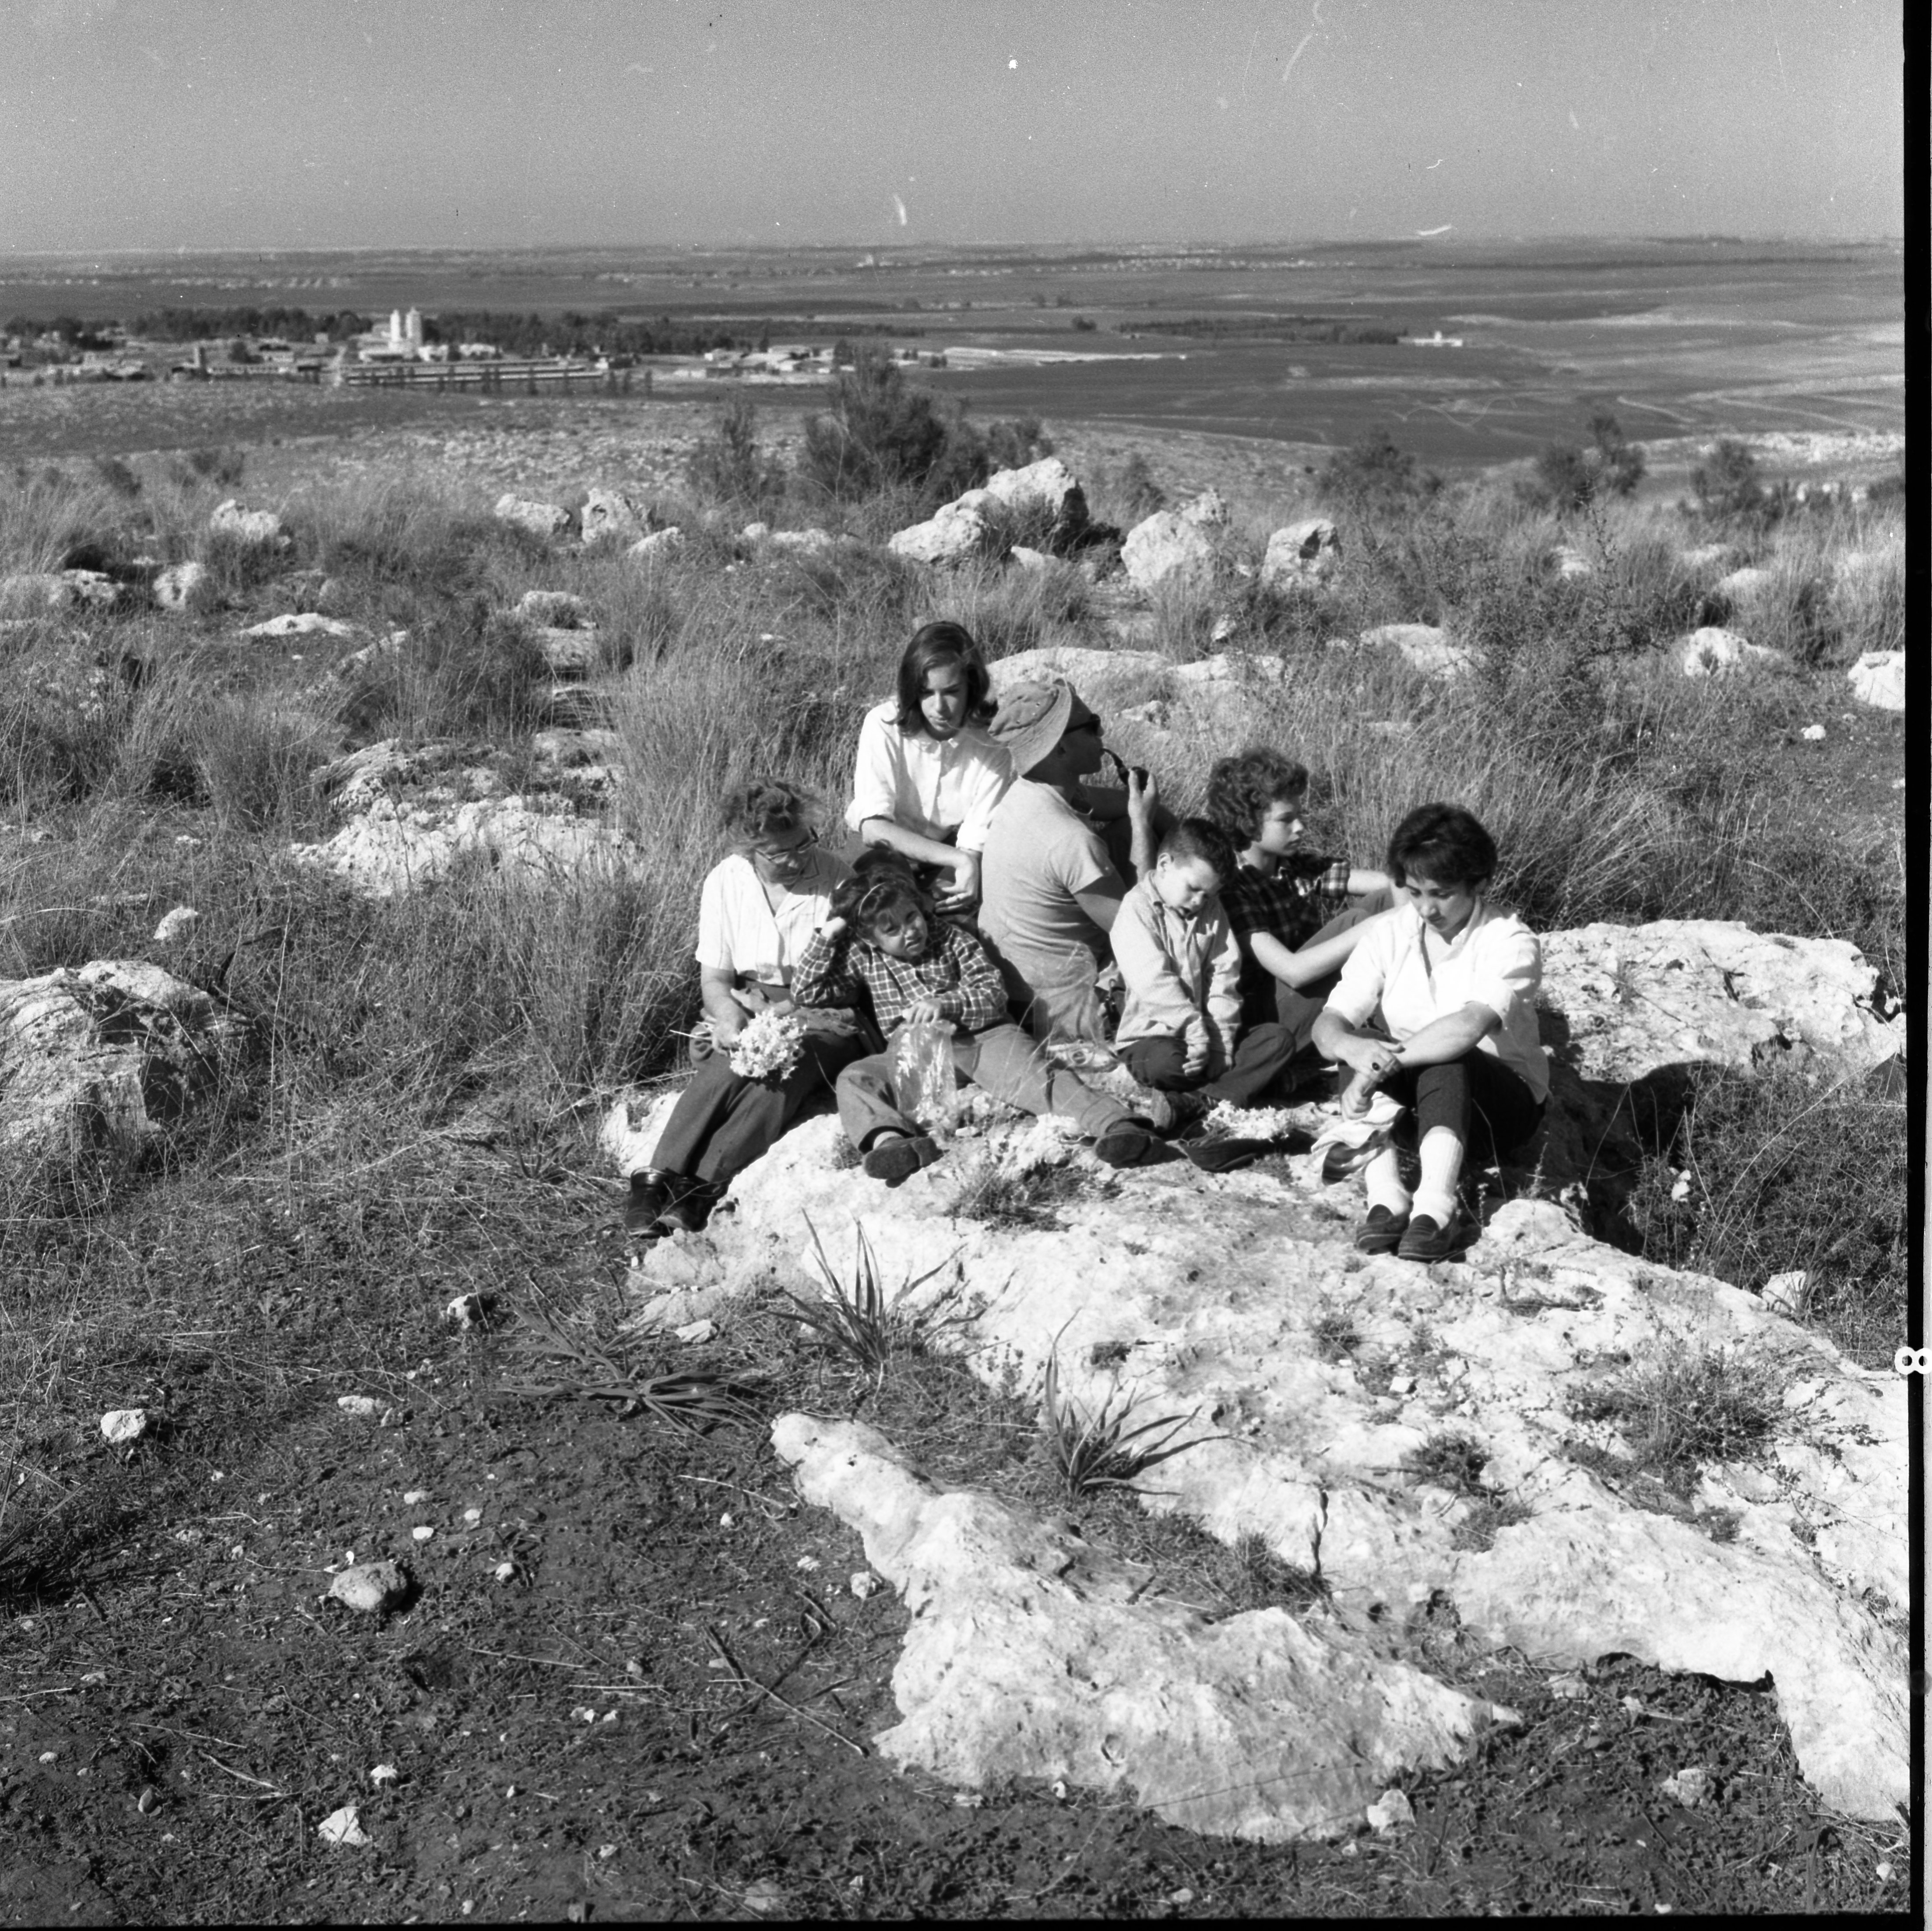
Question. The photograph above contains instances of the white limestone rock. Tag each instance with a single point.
(1744, 588)
(1203, 1295)
(182, 586)
(1032, 1653)
(1878, 678)
(659, 546)
(1426, 646)
(233, 520)
(104, 1057)
(176, 925)
(1046, 491)
(1712, 651)
(1634, 998)
(302, 623)
(1175, 547)
(608, 516)
(32, 592)
(540, 519)
(1570, 562)
(394, 845)
(955, 534)
(1301, 554)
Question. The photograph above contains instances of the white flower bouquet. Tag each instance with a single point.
(768, 1047)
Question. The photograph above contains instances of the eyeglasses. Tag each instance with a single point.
(1089, 724)
(797, 848)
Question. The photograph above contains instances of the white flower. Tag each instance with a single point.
(768, 1047)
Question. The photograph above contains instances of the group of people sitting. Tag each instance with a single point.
(1047, 925)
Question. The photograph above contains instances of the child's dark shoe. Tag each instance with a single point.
(1425, 1239)
(1125, 1145)
(1221, 1153)
(1381, 1232)
(689, 1206)
(650, 1192)
(896, 1161)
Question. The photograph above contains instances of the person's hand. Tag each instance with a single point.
(1143, 794)
(725, 1026)
(834, 927)
(1355, 1097)
(1194, 1060)
(964, 893)
(1373, 1058)
(836, 1020)
(922, 1012)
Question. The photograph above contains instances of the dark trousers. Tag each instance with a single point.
(723, 1122)
(1262, 1055)
(1296, 1009)
(1489, 1107)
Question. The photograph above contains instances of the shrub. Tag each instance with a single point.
(880, 431)
(1570, 475)
(1726, 483)
(1139, 495)
(1372, 475)
(727, 465)
(1687, 1406)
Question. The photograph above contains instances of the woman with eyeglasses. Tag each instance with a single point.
(928, 776)
(758, 908)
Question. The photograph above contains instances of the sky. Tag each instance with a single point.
(332, 124)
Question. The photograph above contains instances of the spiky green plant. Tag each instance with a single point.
(690, 1400)
(860, 1320)
(1095, 1450)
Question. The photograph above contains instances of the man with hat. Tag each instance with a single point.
(1049, 885)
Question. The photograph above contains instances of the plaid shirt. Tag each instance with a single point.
(1305, 891)
(956, 974)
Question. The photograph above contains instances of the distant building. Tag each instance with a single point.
(1437, 340)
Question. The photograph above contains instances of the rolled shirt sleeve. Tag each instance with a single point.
(1358, 990)
(1507, 970)
(875, 770)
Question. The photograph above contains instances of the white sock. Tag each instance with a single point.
(1382, 1180)
(1442, 1156)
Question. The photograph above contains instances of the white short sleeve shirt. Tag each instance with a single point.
(943, 788)
(738, 932)
(1494, 960)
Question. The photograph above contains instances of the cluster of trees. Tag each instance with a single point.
(1569, 475)
(207, 325)
(1274, 328)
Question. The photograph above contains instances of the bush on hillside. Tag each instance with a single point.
(728, 466)
(883, 434)
(1372, 475)
(1726, 483)
(1568, 475)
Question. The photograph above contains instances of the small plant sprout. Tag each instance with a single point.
(1100, 1450)
(861, 1321)
(1335, 1335)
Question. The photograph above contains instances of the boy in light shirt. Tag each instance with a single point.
(1181, 1029)
(1456, 981)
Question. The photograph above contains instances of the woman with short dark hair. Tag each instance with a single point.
(1455, 978)
(756, 914)
(928, 775)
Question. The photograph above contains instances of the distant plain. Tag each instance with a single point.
(1683, 339)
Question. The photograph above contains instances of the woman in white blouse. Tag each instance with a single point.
(927, 774)
(1455, 979)
(756, 912)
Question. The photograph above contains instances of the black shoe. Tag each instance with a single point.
(1224, 1153)
(896, 1161)
(1424, 1240)
(650, 1193)
(688, 1207)
(1382, 1232)
(1125, 1145)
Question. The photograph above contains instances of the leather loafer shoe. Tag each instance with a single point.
(1381, 1232)
(1424, 1240)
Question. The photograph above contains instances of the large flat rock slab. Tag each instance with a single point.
(1032, 1653)
(1217, 1300)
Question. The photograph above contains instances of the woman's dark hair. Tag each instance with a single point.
(933, 645)
(1200, 837)
(768, 807)
(1241, 789)
(1443, 843)
(881, 882)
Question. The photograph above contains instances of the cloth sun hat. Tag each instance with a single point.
(1033, 718)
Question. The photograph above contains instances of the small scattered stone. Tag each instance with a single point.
(472, 1516)
(342, 1828)
(808, 1562)
(384, 1774)
(176, 925)
(865, 1583)
(415, 1496)
(369, 1586)
(505, 1570)
(1689, 1787)
(1391, 1812)
(121, 1425)
(1402, 1384)
(362, 1407)
(421, 1532)
(1813, 733)
(696, 1331)
(146, 1801)
(466, 1311)
(764, 1896)
(1571, 1688)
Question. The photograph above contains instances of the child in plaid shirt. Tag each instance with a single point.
(883, 950)
(1290, 909)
